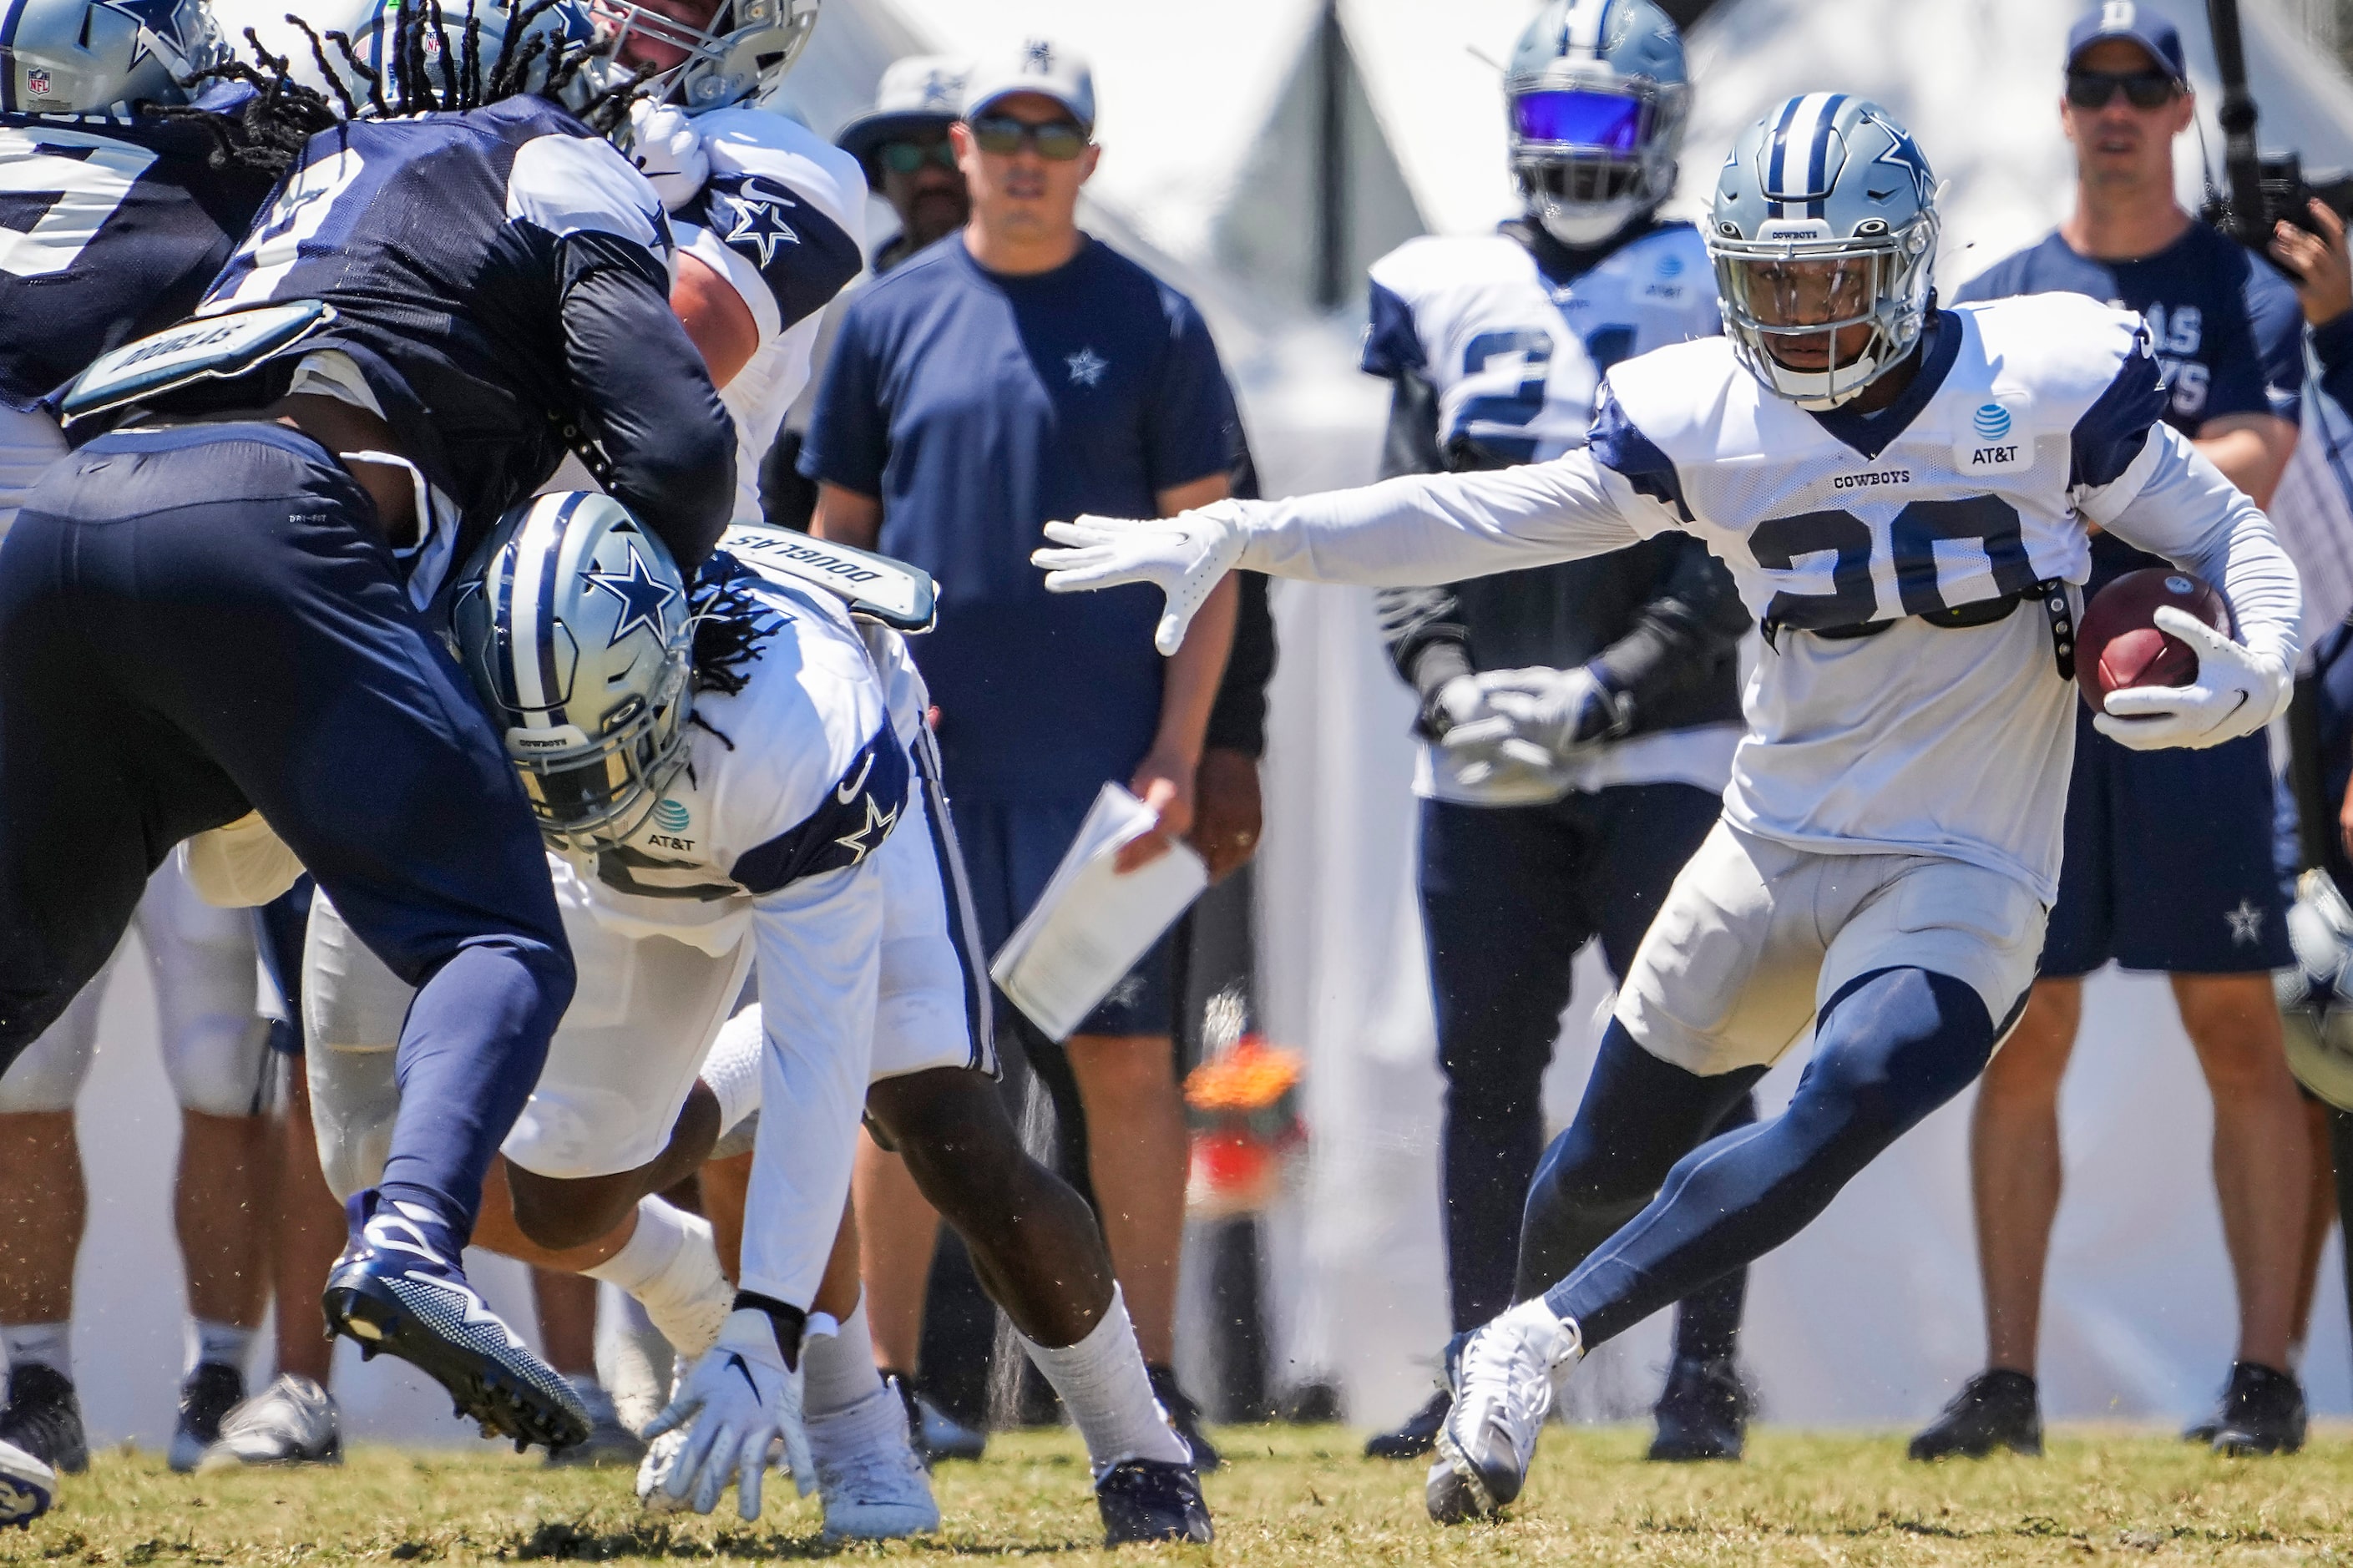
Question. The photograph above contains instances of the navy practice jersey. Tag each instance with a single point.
(108, 230)
(976, 407)
(500, 275)
(2228, 333)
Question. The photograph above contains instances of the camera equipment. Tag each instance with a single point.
(2261, 190)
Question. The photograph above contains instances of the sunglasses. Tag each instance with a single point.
(906, 157)
(1057, 141)
(2142, 89)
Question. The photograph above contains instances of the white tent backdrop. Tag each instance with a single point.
(1870, 1317)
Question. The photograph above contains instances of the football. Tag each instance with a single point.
(2119, 645)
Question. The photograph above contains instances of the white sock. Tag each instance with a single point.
(837, 1369)
(43, 1345)
(731, 1071)
(1103, 1385)
(672, 1266)
(224, 1344)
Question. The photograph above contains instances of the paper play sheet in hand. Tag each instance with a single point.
(1091, 925)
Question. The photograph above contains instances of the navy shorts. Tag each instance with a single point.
(2171, 861)
(1010, 851)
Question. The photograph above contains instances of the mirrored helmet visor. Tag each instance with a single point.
(1609, 122)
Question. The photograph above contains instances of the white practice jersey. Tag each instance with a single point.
(1517, 360)
(2029, 420)
(783, 218)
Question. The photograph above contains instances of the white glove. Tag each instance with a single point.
(742, 1400)
(667, 150)
(1186, 555)
(2238, 691)
(1480, 746)
(1556, 711)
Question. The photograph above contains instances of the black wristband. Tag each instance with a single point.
(789, 1321)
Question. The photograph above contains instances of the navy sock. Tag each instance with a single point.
(1891, 1047)
(470, 1052)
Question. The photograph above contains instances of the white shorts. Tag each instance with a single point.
(936, 1010)
(207, 1002)
(1755, 936)
(643, 1016)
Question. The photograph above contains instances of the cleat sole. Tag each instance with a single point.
(383, 1325)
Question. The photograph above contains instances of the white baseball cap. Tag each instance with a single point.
(918, 93)
(1038, 66)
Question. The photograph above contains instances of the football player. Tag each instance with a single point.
(437, 303)
(1496, 344)
(1903, 495)
(115, 222)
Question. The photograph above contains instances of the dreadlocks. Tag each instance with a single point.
(424, 71)
(731, 629)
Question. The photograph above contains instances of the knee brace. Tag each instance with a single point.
(207, 998)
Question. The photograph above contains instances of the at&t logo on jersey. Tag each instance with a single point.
(670, 821)
(1990, 423)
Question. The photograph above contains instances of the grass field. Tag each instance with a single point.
(1292, 1497)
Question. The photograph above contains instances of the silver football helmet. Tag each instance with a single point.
(1824, 220)
(738, 48)
(83, 56)
(572, 621)
(1598, 98)
(2315, 995)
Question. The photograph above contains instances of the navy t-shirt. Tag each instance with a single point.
(2228, 331)
(978, 407)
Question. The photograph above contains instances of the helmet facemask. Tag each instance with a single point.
(1798, 289)
(590, 793)
(744, 46)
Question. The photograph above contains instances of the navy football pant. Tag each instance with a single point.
(1637, 1206)
(201, 621)
(1509, 893)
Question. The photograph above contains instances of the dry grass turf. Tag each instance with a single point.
(1292, 1497)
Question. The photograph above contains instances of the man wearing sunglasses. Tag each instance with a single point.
(2168, 860)
(1495, 345)
(903, 144)
(983, 386)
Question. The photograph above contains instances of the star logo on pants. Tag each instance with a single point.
(2246, 924)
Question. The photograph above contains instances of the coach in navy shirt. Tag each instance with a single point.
(2169, 863)
(1012, 373)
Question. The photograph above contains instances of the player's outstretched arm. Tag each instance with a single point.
(1404, 533)
(2173, 502)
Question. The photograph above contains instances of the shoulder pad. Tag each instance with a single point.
(1678, 396)
(2061, 350)
(875, 586)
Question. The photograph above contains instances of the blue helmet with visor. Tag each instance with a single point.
(1598, 98)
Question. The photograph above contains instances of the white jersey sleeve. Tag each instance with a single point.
(783, 219)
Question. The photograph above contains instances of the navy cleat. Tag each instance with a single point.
(1152, 1499)
(1999, 1409)
(399, 1288)
(1502, 1377)
(1702, 1413)
(1416, 1436)
(2262, 1412)
(43, 1418)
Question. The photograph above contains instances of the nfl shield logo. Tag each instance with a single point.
(36, 81)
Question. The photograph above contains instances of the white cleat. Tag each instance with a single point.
(292, 1421)
(1503, 1376)
(873, 1485)
(27, 1488)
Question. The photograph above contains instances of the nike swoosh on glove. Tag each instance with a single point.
(2237, 692)
(667, 150)
(1187, 555)
(737, 1403)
